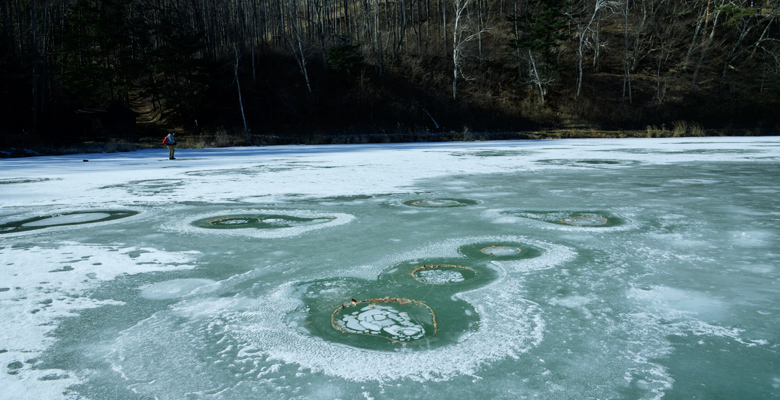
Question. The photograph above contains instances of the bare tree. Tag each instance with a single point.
(706, 42)
(626, 69)
(460, 37)
(238, 85)
(295, 44)
(584, 35)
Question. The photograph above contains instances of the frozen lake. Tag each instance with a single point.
(568, 269)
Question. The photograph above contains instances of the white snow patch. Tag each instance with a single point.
(46, 285)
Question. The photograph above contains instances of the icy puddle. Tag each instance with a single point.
(268, 221)
(68, 218)
(259, 223)
(585, 219)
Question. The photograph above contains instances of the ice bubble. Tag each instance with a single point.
(177, 288)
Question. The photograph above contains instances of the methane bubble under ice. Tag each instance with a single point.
(508, 326)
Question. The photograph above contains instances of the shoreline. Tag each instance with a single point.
(219, 140)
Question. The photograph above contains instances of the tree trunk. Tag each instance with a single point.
(238, 85)
(581, 47)
(626, 70)
(536, 76)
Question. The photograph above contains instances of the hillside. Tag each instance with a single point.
(309, 70)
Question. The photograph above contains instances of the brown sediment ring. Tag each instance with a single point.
(519, 250)
(377, 301)
(563, 221)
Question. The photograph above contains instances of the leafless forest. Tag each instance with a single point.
(280, 66)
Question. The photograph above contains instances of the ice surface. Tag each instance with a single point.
(177, 288)
(674, 296)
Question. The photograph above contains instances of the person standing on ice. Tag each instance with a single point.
(171, 143)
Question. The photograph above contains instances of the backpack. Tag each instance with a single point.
(165, 140)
